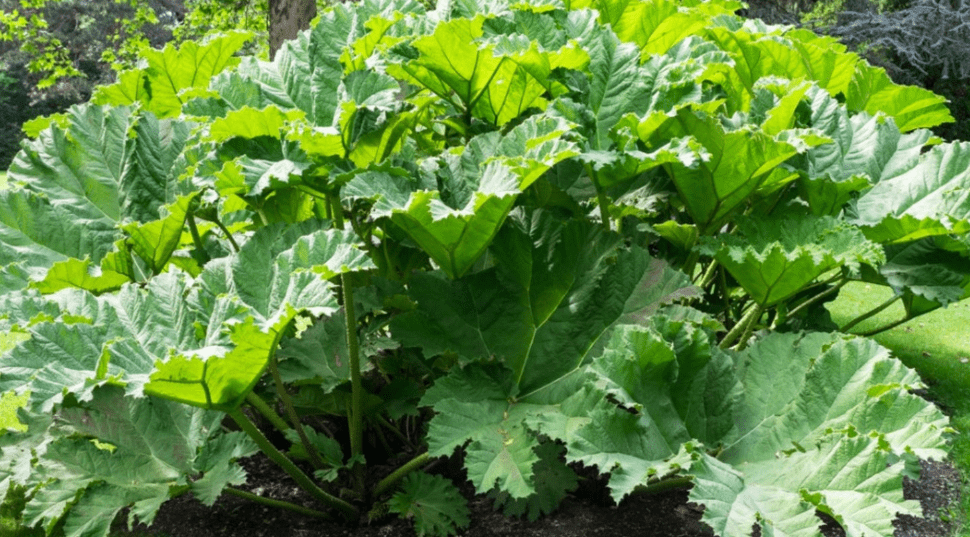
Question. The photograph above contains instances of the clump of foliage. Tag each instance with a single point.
(542, 234)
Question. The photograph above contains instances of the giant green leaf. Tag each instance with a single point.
(556, 289)
(803, 422)
(155, 445)
(35, 234)
(863, 150)
(850, 478)
(847, 384)
(541, 313)
(73, 186)
(912, 107)
(620, 90)
(775, 258)
(98, 167)
(364, 102)
(204, 342)
(648, 376)
(105, 342)
(479, 186)
(617, 86)
(734, 164)
(248, 122)
(153, 242)
(162, 85)
(656, 25)
(929, 199)
(488, 84)
(925, 274)
(276, 275)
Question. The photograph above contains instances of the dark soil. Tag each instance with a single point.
(586, 513)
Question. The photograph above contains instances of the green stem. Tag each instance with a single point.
(393, 430)
(871, 313)
(889, 326)
(280, 504)
(741, 328)
(709, 274)
(312, 192)
(225, 230)
(664, 485)
(798, 309)
(292, 415)
(267, 447)
(601, 198)
(267, 411)
(357, 388)
(337, 210)
(723, 289)
(356, 417)
(196, 238)
(399, 474)
(749, 327)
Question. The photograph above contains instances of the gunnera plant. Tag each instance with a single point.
(533, 235)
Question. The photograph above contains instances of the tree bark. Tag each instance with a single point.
(286, 19)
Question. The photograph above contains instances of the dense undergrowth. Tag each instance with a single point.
(544, 234)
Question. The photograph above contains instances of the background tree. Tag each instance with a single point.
(54, 52)
(286, 19)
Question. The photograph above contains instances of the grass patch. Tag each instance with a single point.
(3, 180)
(937, 345)
(9, 403)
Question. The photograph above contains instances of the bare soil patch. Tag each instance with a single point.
(587, 512)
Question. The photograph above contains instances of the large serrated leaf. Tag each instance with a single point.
(773, 259)
(35, 234)
(479, 185)
(732, 166)
(74, 185)
(912, 107)
(547, 303)
(848, 478)
(930, 199)
(277, 275)
(494, 85)
(925, 274)
(831, 396)
(160, 87)
(542, 320)
(155, 445)
(433, 503)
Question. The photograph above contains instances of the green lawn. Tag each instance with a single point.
(937, 345)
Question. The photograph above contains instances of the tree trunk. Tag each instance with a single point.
(286, 19)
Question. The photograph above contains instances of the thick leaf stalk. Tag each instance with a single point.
(279, 504)
(743, 329)
(292, 415)
(872, 313)
(267, 412)
(385, 484)
(356, 417)
(357, 388)
(267, 447)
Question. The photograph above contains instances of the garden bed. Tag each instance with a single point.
(587, 512)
